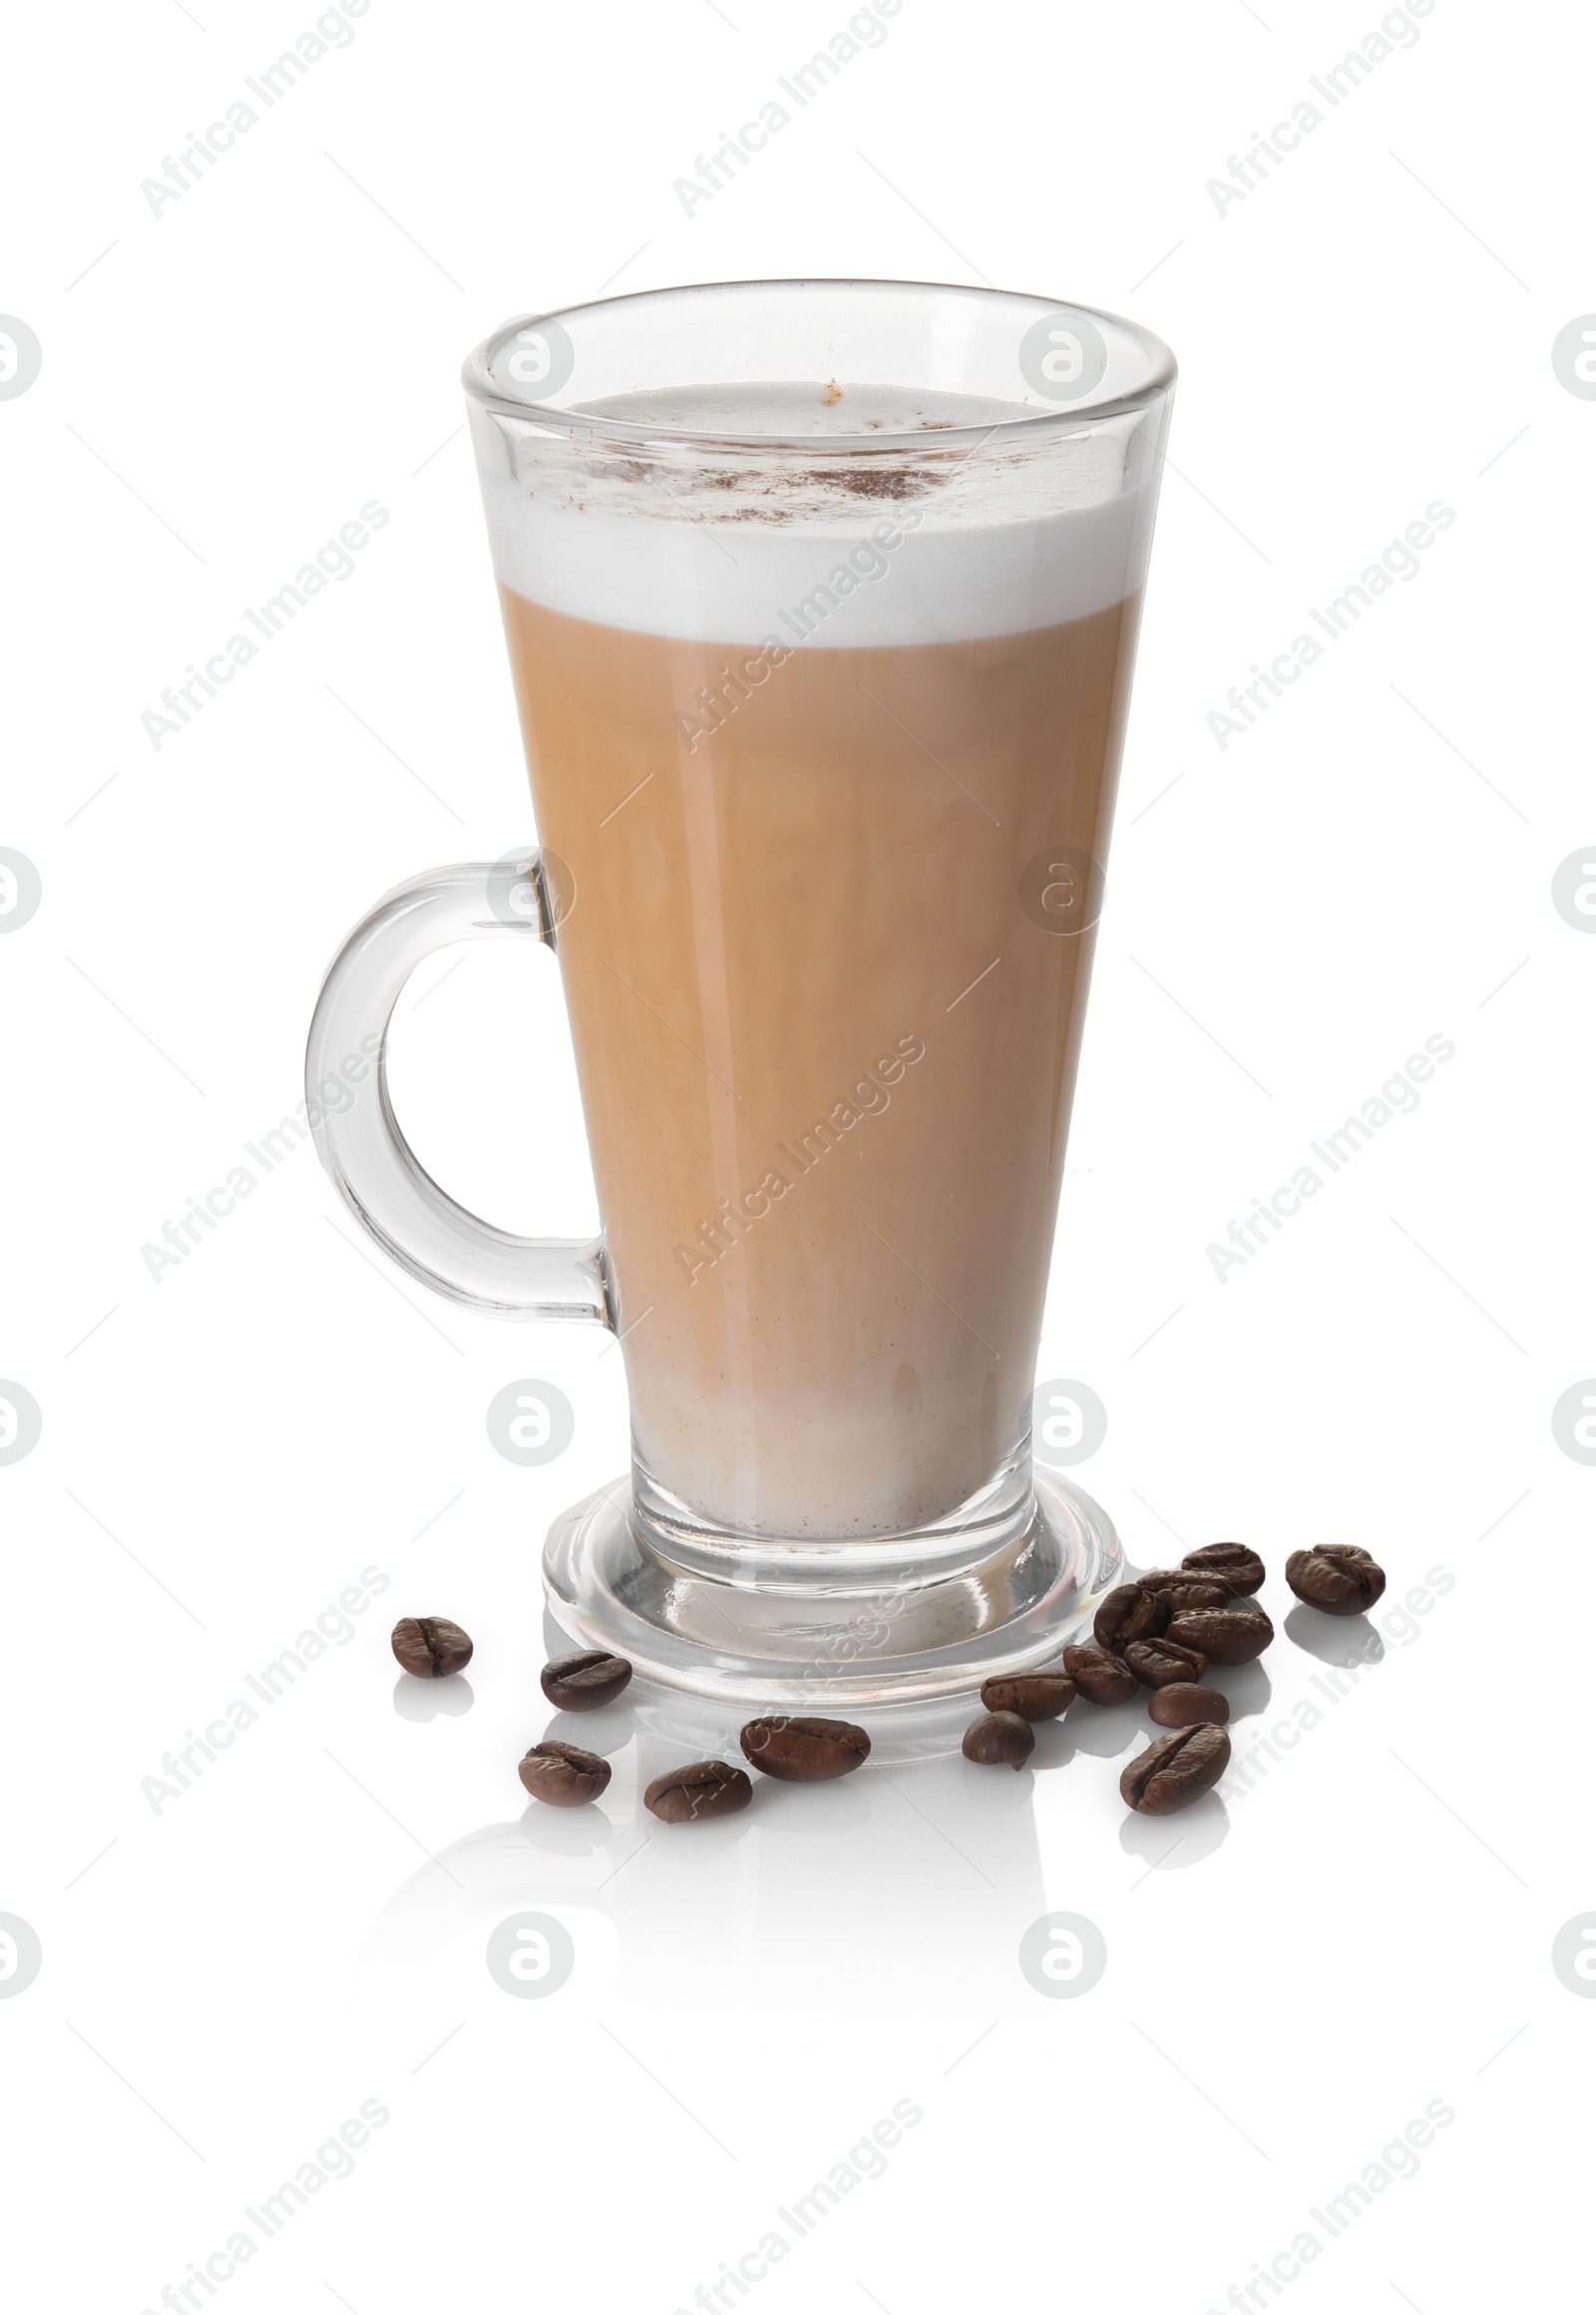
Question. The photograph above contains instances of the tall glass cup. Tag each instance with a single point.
(821, 600)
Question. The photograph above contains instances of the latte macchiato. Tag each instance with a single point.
(829, 751)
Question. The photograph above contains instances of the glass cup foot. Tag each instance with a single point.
(821, 1649)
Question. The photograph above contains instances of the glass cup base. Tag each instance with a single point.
(814, 1649)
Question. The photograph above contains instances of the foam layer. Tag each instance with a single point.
(965, 539)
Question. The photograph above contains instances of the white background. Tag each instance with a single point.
(1365, 1931)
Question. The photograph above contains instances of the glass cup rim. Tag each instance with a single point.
(487, 391)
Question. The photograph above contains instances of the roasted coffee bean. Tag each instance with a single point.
(1183, 1588)
(1129, 1613)
(1232, 1563)
(582, 1682)
(804, 1751)
(1000, 1740)
(703, 1789)
(429, 1645)
(1034, 1695)
(1233, 1634)
(1183, 1704)
(1100, 1677)
(1159, 1662)
(1339, 1579)
(1175, 1771)
(564, 1775)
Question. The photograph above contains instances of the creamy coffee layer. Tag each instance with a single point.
(826, 1050)
(972, 523)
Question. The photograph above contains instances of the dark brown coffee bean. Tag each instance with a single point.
(1183, 1704)
(564, 1775)
(1159, 1662)
(429, 1645)
(1233, 1634)
(1339, 1579)
(804, 1751)
(1034, 1695)
(1175, 1771)
(1184, 1587)
(1129, 1613)
(703, 1789)
(582, 1682)
(1232, 1563)
(1100, 1677)
(1000, 1740)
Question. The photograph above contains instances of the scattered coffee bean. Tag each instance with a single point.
(804, 1751)
(1129, 1613)
(703, 1789)
(582, 1682)
(1000, 1740)
(1160, 1663)
(1100, 1677)
(1184, 1587)
(429, 1645)
(1184, 1705)
(1233, 1563)
(1233, 1634)
(1339, 1579)
(1175, 1771)
(1034, 1695)
(564, 1775)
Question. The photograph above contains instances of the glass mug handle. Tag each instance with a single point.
(358, 1138)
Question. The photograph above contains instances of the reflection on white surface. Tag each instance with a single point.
(918, 1827)
(1340, 1640)
(1173, 1842)
(426, 1700)
(921, 1853)
(1248, 1685)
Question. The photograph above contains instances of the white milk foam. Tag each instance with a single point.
(699, 544)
